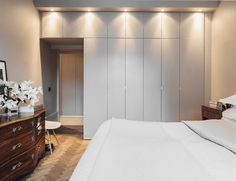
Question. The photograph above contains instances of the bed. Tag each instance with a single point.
(124, 150)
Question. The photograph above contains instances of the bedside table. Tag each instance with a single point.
(209, 112)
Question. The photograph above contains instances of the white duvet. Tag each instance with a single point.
(125, 150)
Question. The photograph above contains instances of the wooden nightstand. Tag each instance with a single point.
(209, 112)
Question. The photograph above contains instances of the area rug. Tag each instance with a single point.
(59, 165)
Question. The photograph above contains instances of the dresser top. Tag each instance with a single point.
(7, 120)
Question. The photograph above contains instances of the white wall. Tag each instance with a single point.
(224, 51)
(49, 78)
(19, 40)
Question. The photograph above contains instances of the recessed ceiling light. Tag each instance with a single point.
(51, 9)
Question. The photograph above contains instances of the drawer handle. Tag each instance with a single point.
(18, 165)
(18, 128)
(33, 138)
(39, 131)
(32, 156)
(18, 145)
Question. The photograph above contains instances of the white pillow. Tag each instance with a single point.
(229, 114)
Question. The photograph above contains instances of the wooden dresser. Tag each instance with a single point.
(22, 144)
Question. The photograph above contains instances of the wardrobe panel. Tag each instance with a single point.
(80, 83)
(191, 65)
(134, 79)
(71, 84)
(73, 24)
(170, 79)
(116, 25)
(95, 24)
(152, 80)
(192, 25)
(170, 25)
(51, 24)
(95, 84)
(67, 84)
(152, 25)
(134, 25)
(116, 78)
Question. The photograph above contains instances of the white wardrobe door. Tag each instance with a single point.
(95, 84)
(191, 65)
(152, 25)
(73, 24)
(51, 24)
(170, 79)
(170, 25)
(152, 80)
(95, 24)
(116, 25)
(80, 83)
(134, 25)
(134, 79)
(116, 78)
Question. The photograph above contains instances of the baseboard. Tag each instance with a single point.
(71, 120)
(71, 116)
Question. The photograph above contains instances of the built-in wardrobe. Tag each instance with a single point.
(139, 66)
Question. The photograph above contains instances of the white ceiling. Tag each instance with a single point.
(130, 5)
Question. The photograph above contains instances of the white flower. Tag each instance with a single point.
(10, 104)
(16, 93)
(2, 100)
(2, 82)
(26, 85)
(10, 84)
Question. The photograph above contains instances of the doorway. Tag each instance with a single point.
(62, 76)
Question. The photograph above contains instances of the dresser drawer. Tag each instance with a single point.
(16, 129)
(16, 146)
(20, 165)
(211, 115)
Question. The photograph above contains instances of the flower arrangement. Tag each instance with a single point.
(12, 94)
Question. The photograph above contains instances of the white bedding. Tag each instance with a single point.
(222, 132)
(125, 150)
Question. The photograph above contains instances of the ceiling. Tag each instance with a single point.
(129, 5)
(65, 44)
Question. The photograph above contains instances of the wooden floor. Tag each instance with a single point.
(60, 165)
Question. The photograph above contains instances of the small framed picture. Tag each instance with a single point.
(3, 70)
(3, 74)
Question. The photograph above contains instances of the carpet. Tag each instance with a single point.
(59, 165)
